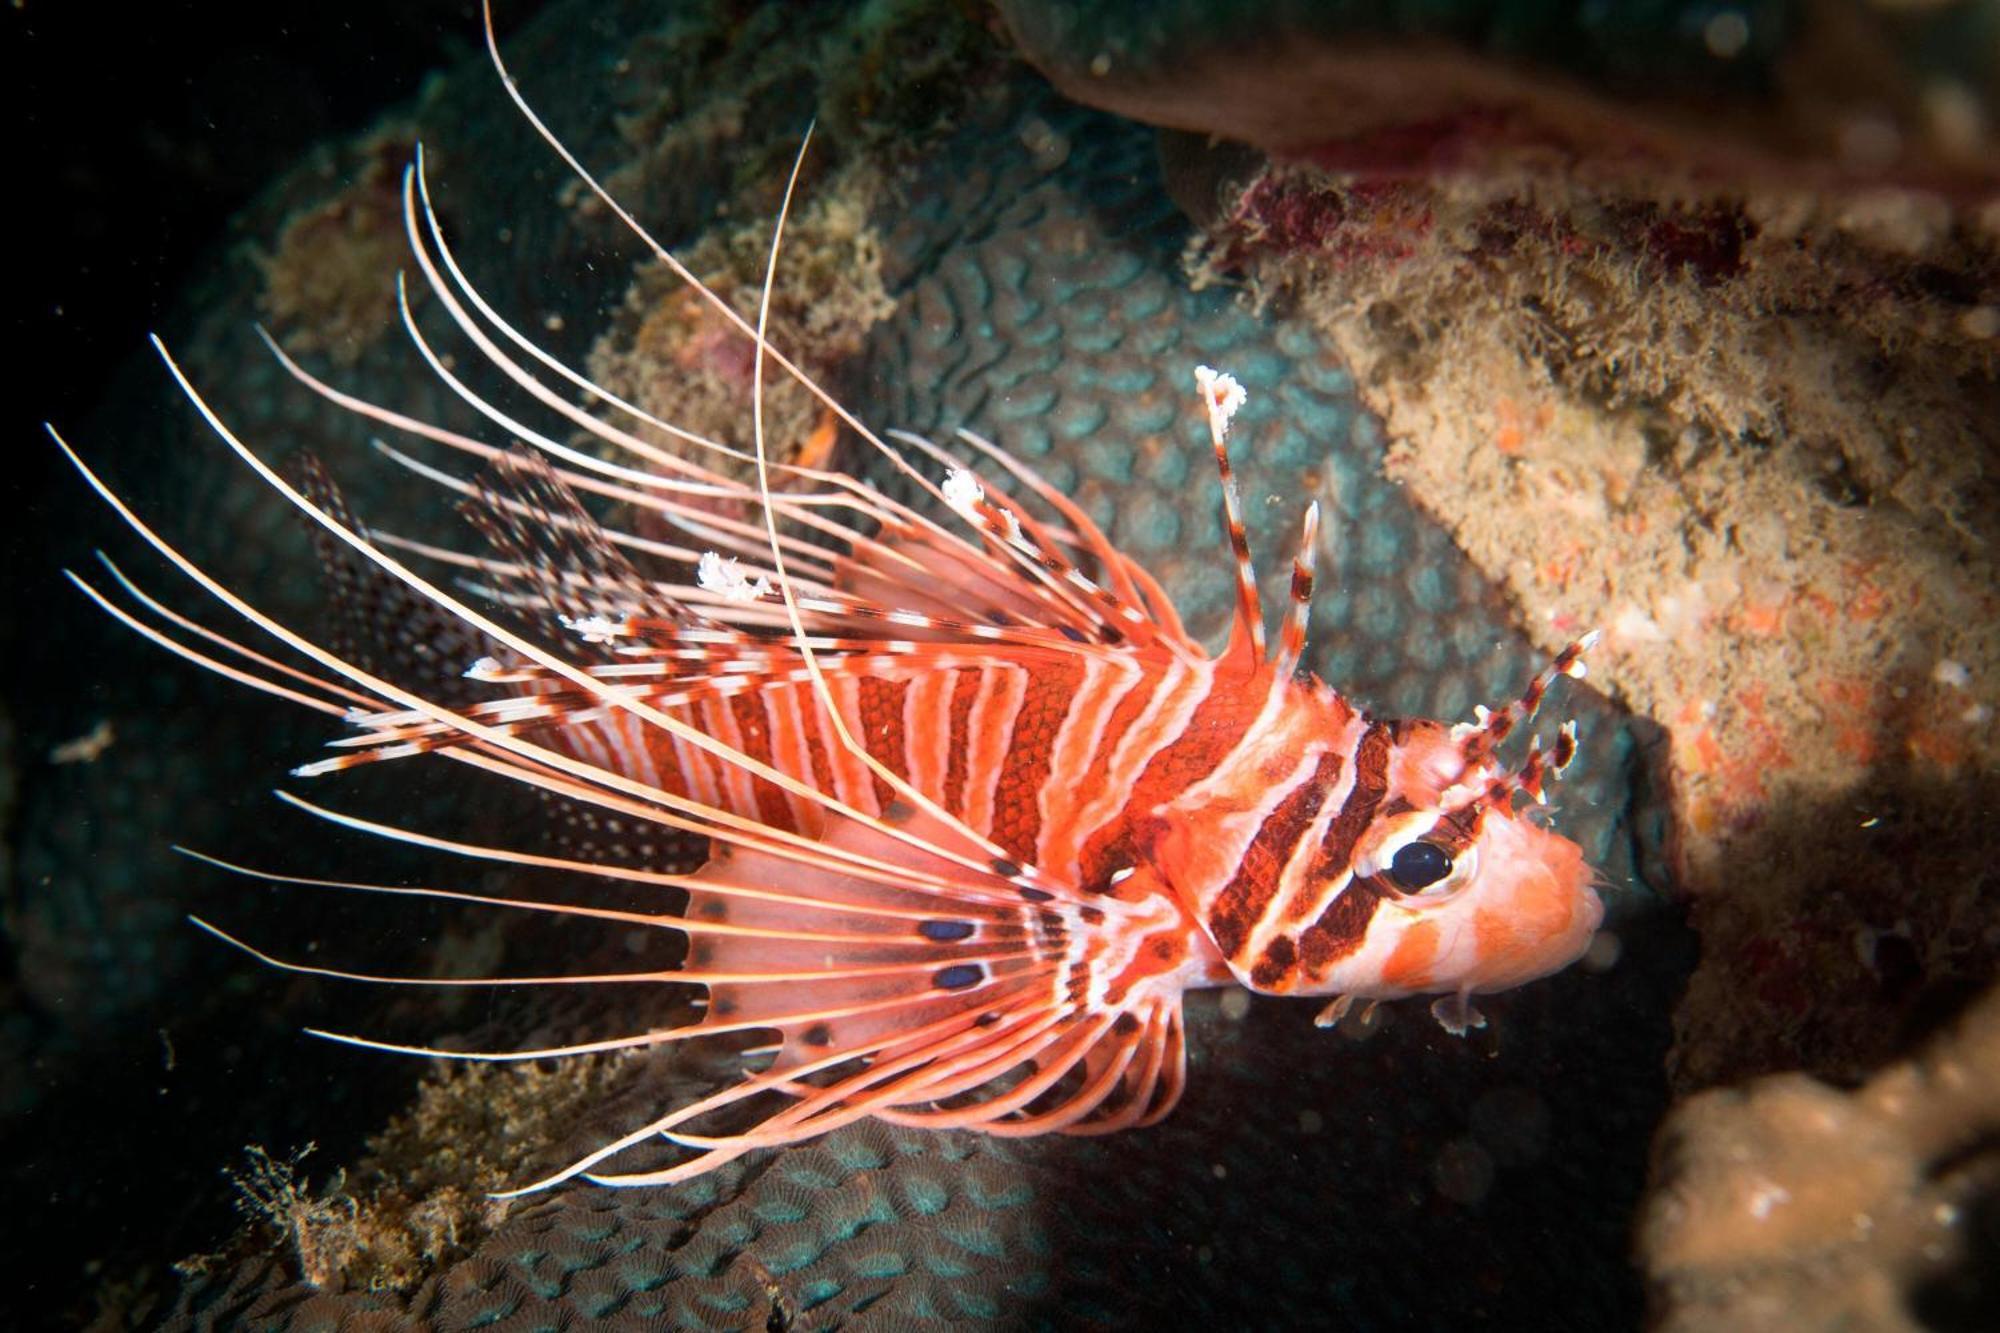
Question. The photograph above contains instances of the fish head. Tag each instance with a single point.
(1470, 894)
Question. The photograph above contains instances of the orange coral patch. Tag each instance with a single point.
(818, 446)
(1868, 603)
(1706, 751)
(1857, 743)
(1514, 427)
(1946, 749)
(1764, 619)
(1853, 716)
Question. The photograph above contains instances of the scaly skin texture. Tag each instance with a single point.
(1035, 265)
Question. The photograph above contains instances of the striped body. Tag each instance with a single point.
(1240, 794)
(1057, 762)
(1044, 758)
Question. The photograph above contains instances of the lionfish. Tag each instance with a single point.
(978, 810)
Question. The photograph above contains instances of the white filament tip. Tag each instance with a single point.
(725, 578)
(1222, 394)
(962, 490)
(598, 629)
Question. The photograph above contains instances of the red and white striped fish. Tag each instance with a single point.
(979, 811)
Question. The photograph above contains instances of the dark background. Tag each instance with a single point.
(136, 133)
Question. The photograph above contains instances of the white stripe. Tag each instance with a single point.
(640, 738)
(695, 770)
(741, 796)
(1292, 880)
(627, 745)
(587, 745)
(1106, 681)
(989, 736)
(851, 776)
(1226, 832)
(927, 730)
(789, 750)
(1265, 738)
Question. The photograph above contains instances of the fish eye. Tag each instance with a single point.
(1418, 865)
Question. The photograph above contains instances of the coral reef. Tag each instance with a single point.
(1775, 437)
(1376, 1140)
(422, 1193)
(323, 288)
(881, 81)
(671, 354)
(1750, 434)
(710, 103)
(1791, 1203)
(870, 1221)
(1033, 259)
(1738, 409)
(115, 1006)
(1004, 279)
(323, 1229)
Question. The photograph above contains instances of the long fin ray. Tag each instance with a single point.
(907, 966)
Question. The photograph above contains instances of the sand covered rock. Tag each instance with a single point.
(1790, 1203)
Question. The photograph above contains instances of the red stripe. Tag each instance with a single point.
(753, 719)
(788, 745)
(881, 729)
(1212, 731)
(1336, 849)
(1233, 917)
(1001, 692)
(1017, 813)
(1340, 928)
(960, 722)
(733, 781)
(813, 726)
(1129, 708)
(1275, 967)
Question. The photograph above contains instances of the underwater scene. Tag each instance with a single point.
(1019, 664)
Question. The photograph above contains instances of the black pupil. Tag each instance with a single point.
(1419, 865)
